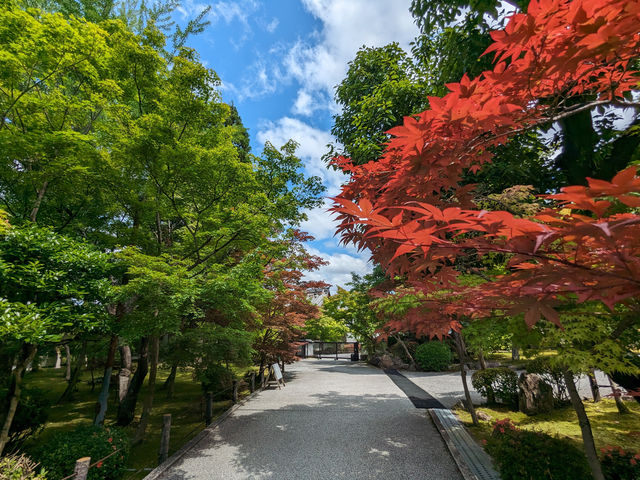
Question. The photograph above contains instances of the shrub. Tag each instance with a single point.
(20, 467)
(30, 417)
(60, 453)
(552, 375)
(433, 356)
(524, 455)
(497, 385)
(218, 380)
(619, 464)
(397, 350)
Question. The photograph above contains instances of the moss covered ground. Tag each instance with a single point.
(609, 427)
(185, 407)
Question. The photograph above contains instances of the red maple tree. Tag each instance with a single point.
(410, 211)
(288, 307)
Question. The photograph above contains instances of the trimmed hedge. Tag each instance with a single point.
(434, 356)
(497, 385)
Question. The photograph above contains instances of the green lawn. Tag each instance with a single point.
(185, 409)
(609, 427)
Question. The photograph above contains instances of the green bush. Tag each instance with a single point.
(20, 467)
(397, 350)
(218, 380)
(552, 375)
(31, 415)
(433, 356)
(60, 453)
(497, 385)
(619, 464)
(524, 455)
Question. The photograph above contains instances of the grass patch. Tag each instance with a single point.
(609, 427)
(186, 409)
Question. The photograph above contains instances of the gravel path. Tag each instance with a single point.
(334, 420)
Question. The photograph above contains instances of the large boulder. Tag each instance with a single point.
(386, 362)
(534, 394)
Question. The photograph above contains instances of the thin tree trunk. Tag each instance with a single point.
(170, 382)
(38, 201)
(126, 410)
(463, 374)
(67, 373)
(124, 375)
(622, 408)
(481, 360)
(515, 353)
(73, 381)
(406, 351)
(26, 356)
(103, 398)
(585, 427)
(148, 401)
(593, 383)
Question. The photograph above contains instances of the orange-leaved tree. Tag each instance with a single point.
(560, 58)
(287, 306)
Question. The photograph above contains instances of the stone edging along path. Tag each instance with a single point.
(471, 459)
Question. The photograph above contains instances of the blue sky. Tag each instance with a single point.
(279, 61)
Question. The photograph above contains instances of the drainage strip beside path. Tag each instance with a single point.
(473, 462)
(418, 396)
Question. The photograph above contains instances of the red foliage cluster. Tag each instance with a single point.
(408, 209)
(284, 315)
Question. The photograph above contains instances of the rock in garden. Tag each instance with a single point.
(485, 417)
(534, 394)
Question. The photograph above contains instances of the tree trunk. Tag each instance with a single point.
(170, 382)
(515, 353)
(26, 356)
(481, 360)
(593, 383)
(73, 381)
(67, 373)
(124, 375)
(406, 351)
(126, 410)
(103, 398)
(463, 374)
(148, 401)
(585, 427)
(38, 201)
(622, 408)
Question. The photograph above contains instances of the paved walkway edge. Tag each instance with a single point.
(464, 468)
(173, 459)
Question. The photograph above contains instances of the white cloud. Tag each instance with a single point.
(338, 271)
(320, 223)
(224, 11)
(258, 82)
(272, 25)
(313, 144)
(346, 26)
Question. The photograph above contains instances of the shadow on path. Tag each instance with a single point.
(418, 396)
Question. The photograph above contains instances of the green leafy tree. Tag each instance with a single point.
(325, 329)
(52, 288)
